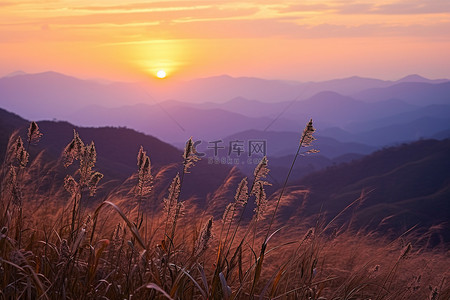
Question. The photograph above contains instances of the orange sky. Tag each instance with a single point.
(314, 40)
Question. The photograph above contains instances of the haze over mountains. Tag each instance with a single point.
(354, 116)
(369, 112)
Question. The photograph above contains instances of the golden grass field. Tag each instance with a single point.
(56, 242)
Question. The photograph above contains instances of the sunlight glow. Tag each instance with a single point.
(161, 74)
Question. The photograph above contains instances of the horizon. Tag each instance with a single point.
(109, 80)
(280, 40)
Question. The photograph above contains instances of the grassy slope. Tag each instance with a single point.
(409, 183)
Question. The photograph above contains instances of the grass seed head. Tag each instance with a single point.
(307, 135)
(141, 157)
(34, 135)
(74, 150)
(190, 155)
(13, 187)
(204, 238)
(260, 199)
(170, 202)
(71, 185)
(241, 196)
(228, 213)
(93, 182)
(21, 154)
(406, 251)
(261, 169)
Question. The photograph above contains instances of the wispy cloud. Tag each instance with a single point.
(415, 7)
(117, 24)
(286, 29)
(409, 7)
(144, 7)
(355, 8)
(201, 12)
(5, 4)
(137, 27)
(319, 7)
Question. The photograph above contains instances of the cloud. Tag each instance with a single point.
(124, 18)
(285, 28)
(403, 7)
(5, 4)
(304, 8)
(280, 28)
(143, 6)
(415, 7)
(397, 8)
(355, 8)
(221, 19)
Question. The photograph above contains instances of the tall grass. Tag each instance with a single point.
(55, 249)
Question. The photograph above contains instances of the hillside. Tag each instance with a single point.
(405, 186)
(117, 149)
(416, 93)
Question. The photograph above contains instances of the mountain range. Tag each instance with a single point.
(353, 116)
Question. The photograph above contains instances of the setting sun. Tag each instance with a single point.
(161, 74)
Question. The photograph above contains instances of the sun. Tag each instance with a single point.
(161, 74)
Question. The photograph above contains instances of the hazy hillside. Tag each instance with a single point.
(421, 128)
(286, 143)
(434, 111)
(408, 185)
(417, 93)
(223, 88)
(117, 150)
(52, 95)
(176, 123)
(333, 109)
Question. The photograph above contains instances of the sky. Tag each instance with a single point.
(274, 39)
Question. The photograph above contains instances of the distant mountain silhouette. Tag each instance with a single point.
(16, 73)
(418, 78)
(332, 109)
(223, 88)
(175, 122)
(241, 105)
(286, 143)
(434, 111)
(420, 128)
(416, 93)
(52, 95)
(353, 108)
